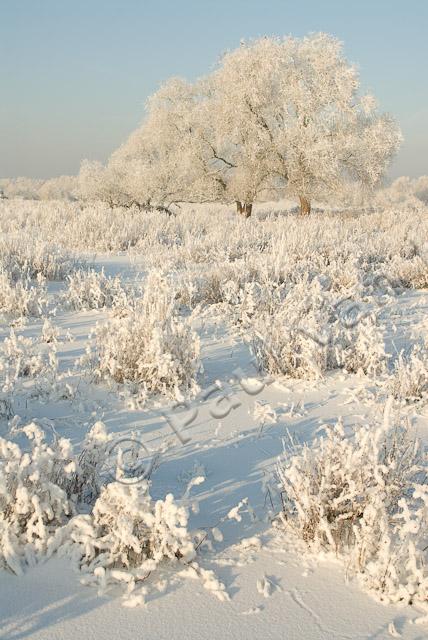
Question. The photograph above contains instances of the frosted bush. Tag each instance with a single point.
(42, 487)
(49, 331)
(263, 295)
(391, 548)
(216, 284)
(274, 246)
(364, 498)
(94, 290)
(248, 300)
(300, 332)
(128, 535)
(344, 276)
(410, 377)
(150, 346)
(29, 371)
(75, 226)
(362, 349)
(291, 339)
(289, 351)
(21, 297)
(22, 258)
(327, 485)
(32, 503)
(88, 477)
(193, 239)
(23, 358)
(411, 273)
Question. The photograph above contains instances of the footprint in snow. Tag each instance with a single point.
(265, 586)
(392, 630)
(252, 611)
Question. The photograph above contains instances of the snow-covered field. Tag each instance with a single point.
(200, 355)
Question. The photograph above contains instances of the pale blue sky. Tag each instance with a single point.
(75, 74)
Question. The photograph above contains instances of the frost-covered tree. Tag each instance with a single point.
(21, 187)
(60, 188)
(97, 182)
(291, 107)
(278, 115)
(421, 188)
(173, 156)
(183, 153)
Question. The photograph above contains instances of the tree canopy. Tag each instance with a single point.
(277, 116)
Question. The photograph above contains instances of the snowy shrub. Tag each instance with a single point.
(94, 290)
(32, 503)
(35, 258)
(292, 340)
(327, 485)
(49, 331)
(217, 284)
(362, 349)
(150, 346)
(42, 487)
(23, 359)
(301, 332)
(289, 351)
(411, 273)
(87, 479)
(365, 499)
(29, 371)
(128, 534)
(410, 378)
(391, 546)
(21, 297)
(257, 297)
(343, 275)
(75, 226)
(248, 299)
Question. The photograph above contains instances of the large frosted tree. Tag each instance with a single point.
(279, 116)
(294, 105)
(173, 156)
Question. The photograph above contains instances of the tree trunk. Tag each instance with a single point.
(244, 208)
(248, 208)
(305, 206)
